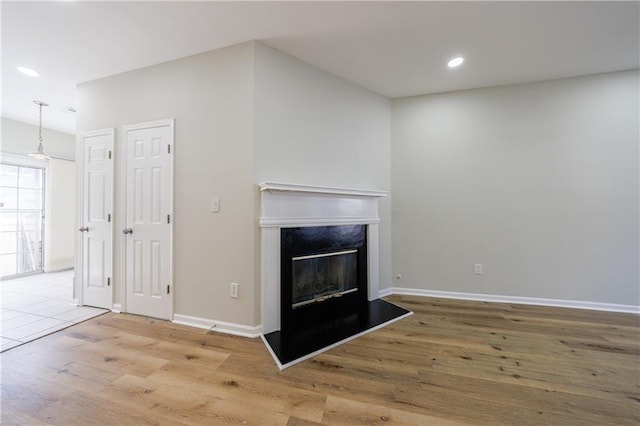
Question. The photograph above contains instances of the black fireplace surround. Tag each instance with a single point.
(306, 295)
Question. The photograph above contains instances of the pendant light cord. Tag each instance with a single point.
(40, 126)
(39, 154)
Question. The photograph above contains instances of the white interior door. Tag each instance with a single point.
(95, 224)
(148, 222)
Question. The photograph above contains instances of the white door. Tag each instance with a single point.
(96, 218)
(148, 221)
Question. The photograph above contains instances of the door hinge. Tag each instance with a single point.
(109, 217)
(168, 218)
(167, 288)
(108, 281)
(109, 155)
(169, 149)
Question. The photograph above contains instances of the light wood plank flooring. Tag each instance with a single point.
(453, 362)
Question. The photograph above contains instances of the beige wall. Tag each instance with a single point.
(312, 127)
(538, 182)
(243, 114)
(518, 178)
(60, 230)
(210, 96)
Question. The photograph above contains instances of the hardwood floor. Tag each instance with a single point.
(452, 362)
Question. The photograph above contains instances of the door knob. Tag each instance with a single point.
(127, 231)
(83, 229)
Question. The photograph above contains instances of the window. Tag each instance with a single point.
(21, 219)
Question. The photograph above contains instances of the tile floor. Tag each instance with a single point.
(37, 305)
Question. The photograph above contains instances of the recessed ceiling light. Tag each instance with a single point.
(29, 72)
(456, 62)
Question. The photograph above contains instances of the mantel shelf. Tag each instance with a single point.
(290, 187)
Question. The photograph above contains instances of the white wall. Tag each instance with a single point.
(312, 127)
(243, 114)
(210, 97)
(22, 138)
(538, 182)
(60, 231)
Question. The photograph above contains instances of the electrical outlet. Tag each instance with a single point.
(234, 290)
(477, 268)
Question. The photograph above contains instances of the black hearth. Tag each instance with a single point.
(298, 342)
(324, 291)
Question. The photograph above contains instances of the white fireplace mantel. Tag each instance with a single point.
(286, 205)
(292, 187)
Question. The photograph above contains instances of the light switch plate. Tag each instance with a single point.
(234, 289)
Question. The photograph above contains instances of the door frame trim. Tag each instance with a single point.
(78, 267)
(169, 122)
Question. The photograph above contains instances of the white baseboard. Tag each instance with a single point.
(385, 292)
(116, 307)
(560, 303)
(53, 271)
(219, 326)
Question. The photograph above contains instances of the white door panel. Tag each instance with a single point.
(147, 218)
(96, 226)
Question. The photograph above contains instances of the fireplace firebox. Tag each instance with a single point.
(323, 273)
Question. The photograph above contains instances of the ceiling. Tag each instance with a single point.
(393, 48)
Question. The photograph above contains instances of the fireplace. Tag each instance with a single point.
(323, 273)
(319, 273)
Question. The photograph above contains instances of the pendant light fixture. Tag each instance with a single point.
(39, 154)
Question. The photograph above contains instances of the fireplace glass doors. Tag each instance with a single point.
(323, 273)
(321, 276)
